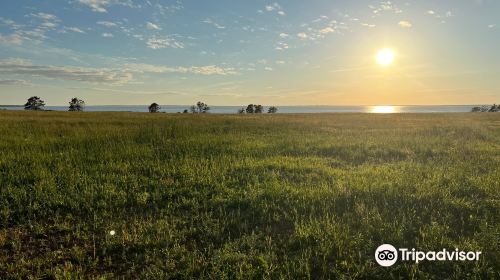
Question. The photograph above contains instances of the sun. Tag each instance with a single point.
(385, 57)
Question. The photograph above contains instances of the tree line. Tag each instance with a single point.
(493, 108)
(35, 103)
(257, 109)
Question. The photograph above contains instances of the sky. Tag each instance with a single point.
(235, 52)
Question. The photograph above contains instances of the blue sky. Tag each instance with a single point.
(239, 52)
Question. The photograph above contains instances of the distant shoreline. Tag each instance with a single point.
(281, 109)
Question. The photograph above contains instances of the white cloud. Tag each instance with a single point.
(385, 6)
(49, 25)
(75, 29)
(492, 26)
(107, 35)
(67, 73)
(44, 16)
(49, 21)
(326, 30)
(270, 8)
(100, 5)
(152, 26)
(405, 24)
(107, 23)
(13, 82)
(274, 7)
(215, 24)
(368, 25)
(13, 39)
(302, 35)
(201, 70)
(284, 35)
(282, 46)
(156, 43)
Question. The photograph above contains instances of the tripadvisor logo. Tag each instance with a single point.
(387, 255)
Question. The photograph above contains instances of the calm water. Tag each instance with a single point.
(282, 109)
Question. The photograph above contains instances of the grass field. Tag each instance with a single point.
(246, 197)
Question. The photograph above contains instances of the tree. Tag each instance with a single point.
(254, 109)
(185, 111)
(250, 109)
(76, 105)
(34, 103)
(200, 107)
(154, 108)
(272, 110)
(494, 108)
(484, 108)
(241, 111)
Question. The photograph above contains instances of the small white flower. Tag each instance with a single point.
(112, 232)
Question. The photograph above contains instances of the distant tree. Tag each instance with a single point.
(154, 108)
(76, 105)
(250, 109)
(254, 109)
(272, 110)
(34, 103)
(484, 108)
(185, 111)
(241, 111)
(200, 107)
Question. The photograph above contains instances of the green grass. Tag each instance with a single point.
(246, 197)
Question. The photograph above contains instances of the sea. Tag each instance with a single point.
(281, 109)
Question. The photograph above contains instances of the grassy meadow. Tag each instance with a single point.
(246, 197)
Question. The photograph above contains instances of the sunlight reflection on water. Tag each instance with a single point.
(384, 109)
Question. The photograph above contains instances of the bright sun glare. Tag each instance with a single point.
(385, 57)
(383, 109)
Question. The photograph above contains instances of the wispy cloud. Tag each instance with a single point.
(202, 70)
(100, 6)
(302, 35)
(282, 46)
(45, 16)
(107, 23)
(326, 30)
(67, 73)
(157, 43)
(275, 7)
(13, 82)
(74, 29)
(385, 6)
(213, 23)
(13, 39)
(152, 26)
(405, 24)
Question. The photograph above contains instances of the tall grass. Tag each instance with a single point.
(246, 197)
